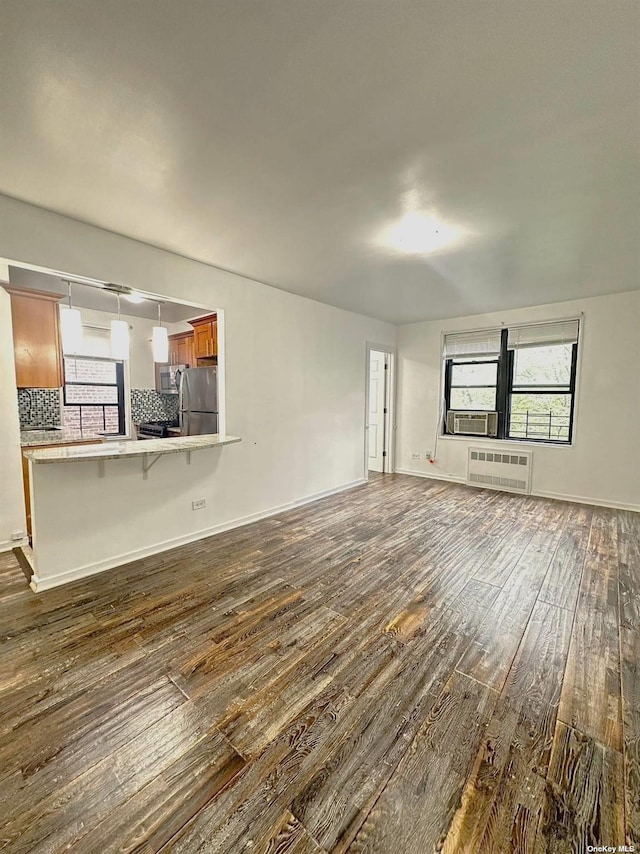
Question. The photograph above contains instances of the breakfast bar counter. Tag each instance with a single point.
(128, 449)
(120, 500)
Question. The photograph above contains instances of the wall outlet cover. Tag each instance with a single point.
(198, 503)
(415, 456)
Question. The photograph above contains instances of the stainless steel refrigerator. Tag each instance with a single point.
(198, 401)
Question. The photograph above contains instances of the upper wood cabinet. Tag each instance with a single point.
(36, 338)
(181, 349)
(205, 336)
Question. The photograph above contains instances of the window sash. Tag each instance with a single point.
(539, 426)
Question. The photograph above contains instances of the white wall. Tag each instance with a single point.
(295, 392)
(603, 464)
(12, 516)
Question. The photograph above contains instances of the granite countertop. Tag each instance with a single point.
(132, 448)
(59, 436)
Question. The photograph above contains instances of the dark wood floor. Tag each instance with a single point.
(410, 666)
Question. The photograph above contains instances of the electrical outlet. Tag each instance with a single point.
(415, 456)
(16, 536)
(198, 503)
(427, 456)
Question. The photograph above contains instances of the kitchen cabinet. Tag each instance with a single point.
(181, 349)
(205, 336)
(36, 338)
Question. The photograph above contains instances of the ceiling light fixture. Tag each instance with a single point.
(119, 336)
(70, 327)
(135, 298)
(160, 341)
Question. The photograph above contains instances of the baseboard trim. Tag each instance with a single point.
(9, 545)
(594, 502)
(557, 496)
(432, 476)
(38, 584)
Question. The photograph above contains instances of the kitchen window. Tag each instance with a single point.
(93, 395)
(525, 374)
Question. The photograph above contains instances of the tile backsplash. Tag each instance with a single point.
(150, 405)
(39, 406)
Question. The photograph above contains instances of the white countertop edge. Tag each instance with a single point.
(126, 450)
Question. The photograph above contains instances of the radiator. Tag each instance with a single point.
(500, 470)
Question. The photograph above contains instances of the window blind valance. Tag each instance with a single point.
(467, 345)
(543, 334)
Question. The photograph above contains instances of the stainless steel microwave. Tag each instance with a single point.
(170, 378)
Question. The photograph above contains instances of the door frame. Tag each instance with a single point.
(390, 405)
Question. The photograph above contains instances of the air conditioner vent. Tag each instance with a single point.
(511, 472)
(467, 422)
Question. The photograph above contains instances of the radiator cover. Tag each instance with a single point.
(508, 471)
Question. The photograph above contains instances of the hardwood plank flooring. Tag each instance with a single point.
(410, 666)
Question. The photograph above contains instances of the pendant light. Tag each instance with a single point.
(160, 341)
(70, 327)
(119, 336)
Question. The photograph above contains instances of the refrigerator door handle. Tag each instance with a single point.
(180, 409)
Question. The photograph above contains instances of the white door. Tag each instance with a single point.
(376, 410)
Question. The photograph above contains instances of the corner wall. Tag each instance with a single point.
(603, 464)
(12, 517)
(295, 386)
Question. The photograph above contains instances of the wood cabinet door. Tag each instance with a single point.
(174, 351)
(189, 355)
(185, 350)
(36, 340)
(202, 340)
(214, 337)
(181, 349)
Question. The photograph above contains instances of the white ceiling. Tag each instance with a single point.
(317, 145)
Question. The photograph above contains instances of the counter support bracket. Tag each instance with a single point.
(148, 462)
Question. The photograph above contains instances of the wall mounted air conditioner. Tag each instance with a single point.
(468, 422)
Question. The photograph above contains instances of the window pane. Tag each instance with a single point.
(111, 422)
(540, 416)
(474, 374)
(91, 394)
(473, 398)
(93, 418)
(71, 417)
(542, 366)
(89, 371)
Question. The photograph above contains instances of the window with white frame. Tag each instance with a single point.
(525, 374)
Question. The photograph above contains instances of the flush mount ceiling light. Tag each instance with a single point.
(70, 327)
(135, 298)
(119, 336)
(160, 341)
(419, 233)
